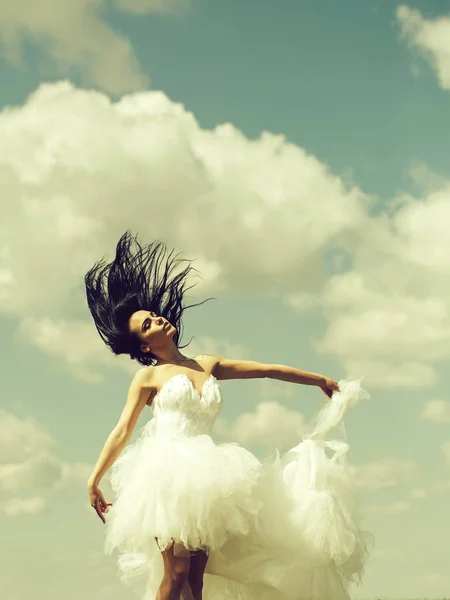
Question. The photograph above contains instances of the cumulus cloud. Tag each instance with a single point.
(270, 424)
(384, 472)
(39, 472)
(77, 170)
(431, 37)
(76, 344)
(23, 506)
(21, 438)
(77, 38)
(436, 411)
(388, 310)
(30, 468)
(386, 374)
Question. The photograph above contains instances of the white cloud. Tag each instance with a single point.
(393, 323)
(394, 508)
(429, 181)
(23, 506)
(430, 37)
(78, 170)
(388, 313)
(72, 473)
(29, 468)
(41, 472)
(77, 344)
(436, 411)
(21, 438)
(387, 375)
(270, 424)
(77, 38)
(384, 472)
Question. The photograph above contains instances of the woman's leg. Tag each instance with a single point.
(176, 571)
(196, 572)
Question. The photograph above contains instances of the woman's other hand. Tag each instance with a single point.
(328, 386)
(97, 500)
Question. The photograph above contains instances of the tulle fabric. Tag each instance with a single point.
(187, 490)
(286, 528)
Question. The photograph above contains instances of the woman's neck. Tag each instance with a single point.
(176, 359)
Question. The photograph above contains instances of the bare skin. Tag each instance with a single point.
(176, 572)
(156, 336)
(196, 573)
(182, 574)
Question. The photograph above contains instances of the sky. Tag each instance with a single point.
(298, 152)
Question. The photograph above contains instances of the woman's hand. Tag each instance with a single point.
(328, 386)
(97, 500)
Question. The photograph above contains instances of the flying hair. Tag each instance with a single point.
(141, 277)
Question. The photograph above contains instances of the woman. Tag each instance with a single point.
(185, 506)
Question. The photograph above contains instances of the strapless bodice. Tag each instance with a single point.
(179, 409)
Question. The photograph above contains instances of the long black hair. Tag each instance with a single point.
(139, 280)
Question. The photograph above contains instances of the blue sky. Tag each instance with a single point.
(346, 276)
(332, 77)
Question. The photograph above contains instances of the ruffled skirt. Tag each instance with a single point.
(283, 529)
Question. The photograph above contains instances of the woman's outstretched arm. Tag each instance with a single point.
(117, 440)
(244, 369)
(138, 394)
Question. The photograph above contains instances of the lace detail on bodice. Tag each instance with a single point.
(178, 408)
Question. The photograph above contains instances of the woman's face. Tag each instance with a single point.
(153, 331)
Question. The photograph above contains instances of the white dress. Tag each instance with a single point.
(283, 529)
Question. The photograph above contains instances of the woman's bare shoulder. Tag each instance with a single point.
(210, 361)
(147, 378)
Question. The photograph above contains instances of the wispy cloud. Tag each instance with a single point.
(431, 37)
(436, 411)
(384, 472)
(78, 39)
(20, 506)
(30, 469)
